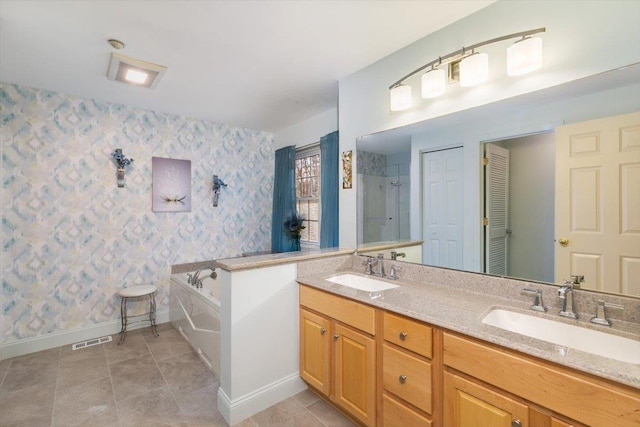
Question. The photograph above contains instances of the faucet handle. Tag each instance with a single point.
(601, 315)
(393, 272)
(538, 305)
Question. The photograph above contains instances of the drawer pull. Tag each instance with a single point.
(403, 336)
(402, 379)
(323, 331)
(335, 337)
(516, 423)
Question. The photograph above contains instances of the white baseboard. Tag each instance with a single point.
(258, 400)
(57, 339)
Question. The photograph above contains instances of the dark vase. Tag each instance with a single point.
(295, 242)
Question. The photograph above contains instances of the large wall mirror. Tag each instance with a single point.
(516, 188)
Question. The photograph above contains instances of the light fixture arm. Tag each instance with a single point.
(461, 52)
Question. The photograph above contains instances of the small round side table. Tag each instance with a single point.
(137, 292)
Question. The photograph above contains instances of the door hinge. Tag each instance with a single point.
(485, 161)
(485, 221)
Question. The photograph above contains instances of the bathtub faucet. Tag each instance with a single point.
(197, 282)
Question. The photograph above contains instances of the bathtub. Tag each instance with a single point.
(195, 313)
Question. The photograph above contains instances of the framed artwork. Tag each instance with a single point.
(347, 181)
(171, 185)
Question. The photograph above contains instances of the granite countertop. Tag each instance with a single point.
(267, 260)
(462, 311)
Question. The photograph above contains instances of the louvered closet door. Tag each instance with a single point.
(496, 210)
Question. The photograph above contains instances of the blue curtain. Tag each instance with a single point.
(329, 156)
(284, 197)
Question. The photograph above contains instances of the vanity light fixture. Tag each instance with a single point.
(434, 82)
(474, 69)
(134, 71)
(524, 56)
(400, 98)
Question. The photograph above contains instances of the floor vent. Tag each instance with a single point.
(91, 342)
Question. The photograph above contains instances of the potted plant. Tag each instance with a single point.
(293, 225)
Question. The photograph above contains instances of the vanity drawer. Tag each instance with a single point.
(395, 414)
(350, 312)
(409, 334)
(407, 377)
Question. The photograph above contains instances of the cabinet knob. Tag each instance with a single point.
(516, 423)
(323, 331)
(402, 379)
(403, 336)
(335, 337)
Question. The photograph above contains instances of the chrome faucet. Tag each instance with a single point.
(566, 294)
(380, 265)
(197, 282)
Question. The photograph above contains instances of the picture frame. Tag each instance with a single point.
(171, 185)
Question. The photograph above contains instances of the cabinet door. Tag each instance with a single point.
(315, 345)
(468, 404)
(557, 423)
(355, 379)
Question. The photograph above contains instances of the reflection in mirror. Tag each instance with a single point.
(518, 203)
(385, 196)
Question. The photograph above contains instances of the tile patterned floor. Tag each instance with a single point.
(147, 381)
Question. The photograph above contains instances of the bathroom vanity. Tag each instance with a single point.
(419, 355)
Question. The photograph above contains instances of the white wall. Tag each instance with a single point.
(307, 132)
(583, 38)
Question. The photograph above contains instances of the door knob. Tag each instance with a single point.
(563, 241)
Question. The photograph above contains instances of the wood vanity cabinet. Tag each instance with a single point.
(507, 386)
(338, 351)
(389, 370)
(406, 372)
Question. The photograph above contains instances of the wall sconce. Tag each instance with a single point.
(524, 56)
(217, 185)
(121, 162)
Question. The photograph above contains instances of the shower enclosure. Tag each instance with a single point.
(384, 200)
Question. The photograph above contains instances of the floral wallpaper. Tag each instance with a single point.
(71, 238)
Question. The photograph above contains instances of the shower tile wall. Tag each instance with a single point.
(385, 195)
(71, 239)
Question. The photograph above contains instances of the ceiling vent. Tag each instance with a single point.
(134, 71)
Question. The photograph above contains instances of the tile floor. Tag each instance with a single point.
(147, 381)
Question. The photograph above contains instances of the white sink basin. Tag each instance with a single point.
(362, 283)
(583, 339)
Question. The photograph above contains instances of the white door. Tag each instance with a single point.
(442, 197)
(496, 208)
(598, 203)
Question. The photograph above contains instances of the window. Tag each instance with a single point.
(307, 173)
